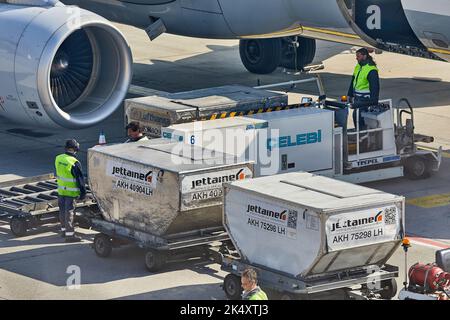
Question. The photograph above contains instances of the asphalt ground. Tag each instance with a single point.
(39, 265)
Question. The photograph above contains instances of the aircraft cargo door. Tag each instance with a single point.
(385, 21)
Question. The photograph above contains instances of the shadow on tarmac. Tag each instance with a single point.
(191, 292)
(43, 235)
(50, 257)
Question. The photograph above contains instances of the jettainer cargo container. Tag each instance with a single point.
(159, 188)
(306, 226)
(161, 196)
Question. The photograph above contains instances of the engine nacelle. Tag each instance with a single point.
(60, 66)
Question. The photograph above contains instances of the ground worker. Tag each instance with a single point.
(134, 132)
(71, 186)
(249, 282)
(364, 89)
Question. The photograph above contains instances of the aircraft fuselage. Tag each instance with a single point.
(403, 26)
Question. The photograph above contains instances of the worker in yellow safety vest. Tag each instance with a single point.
(71, 187)
(365, 85)
(249, 283)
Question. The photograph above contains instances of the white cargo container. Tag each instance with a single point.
(160, 188)
(304, 225)
(237, 136)
(284, 141)
(298, 139)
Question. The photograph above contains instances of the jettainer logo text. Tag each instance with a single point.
(357, 222)
(255, 209)
(126, 173)
(206, 181)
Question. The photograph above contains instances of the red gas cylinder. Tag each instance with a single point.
(428, 275)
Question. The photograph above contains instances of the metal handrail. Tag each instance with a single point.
(294, 82)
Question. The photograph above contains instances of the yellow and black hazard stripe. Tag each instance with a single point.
(232, 114)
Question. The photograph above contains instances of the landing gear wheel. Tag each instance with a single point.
(260, 56)
(297, 58)
(232, 287)
(102, 245)
(19, 226)
(417, 168)
(388, 289)
(155, 260)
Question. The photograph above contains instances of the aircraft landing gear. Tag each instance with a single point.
(297, 52)
(263, 56)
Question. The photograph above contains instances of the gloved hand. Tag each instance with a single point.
(82, 197)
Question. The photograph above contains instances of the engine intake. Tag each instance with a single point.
(65, 66)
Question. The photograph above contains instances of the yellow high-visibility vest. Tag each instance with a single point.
(67, 184)
(361, 83)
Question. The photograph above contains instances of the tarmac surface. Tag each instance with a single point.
(38, 266)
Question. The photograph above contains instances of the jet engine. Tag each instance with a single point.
(60, 66)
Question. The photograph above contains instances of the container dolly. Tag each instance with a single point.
(33, 202)
(373, 282)
(159, 249)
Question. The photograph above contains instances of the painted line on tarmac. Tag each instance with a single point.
(433, 201)
(428, 242)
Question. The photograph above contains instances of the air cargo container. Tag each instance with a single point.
(301, 228)
(156, 112)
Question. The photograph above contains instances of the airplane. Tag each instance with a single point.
(70, 67)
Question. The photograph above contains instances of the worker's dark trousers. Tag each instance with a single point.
(341, 117)
(362, 124)
(66, 215)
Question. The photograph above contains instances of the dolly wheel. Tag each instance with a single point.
(19, 226)
(417, 168)
(232, 287)
(388, 289)
(155, 260)
(102, 245)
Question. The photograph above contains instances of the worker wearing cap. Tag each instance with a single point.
(365, 86)
(134, 132)
(249, 282)
(71, 186)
